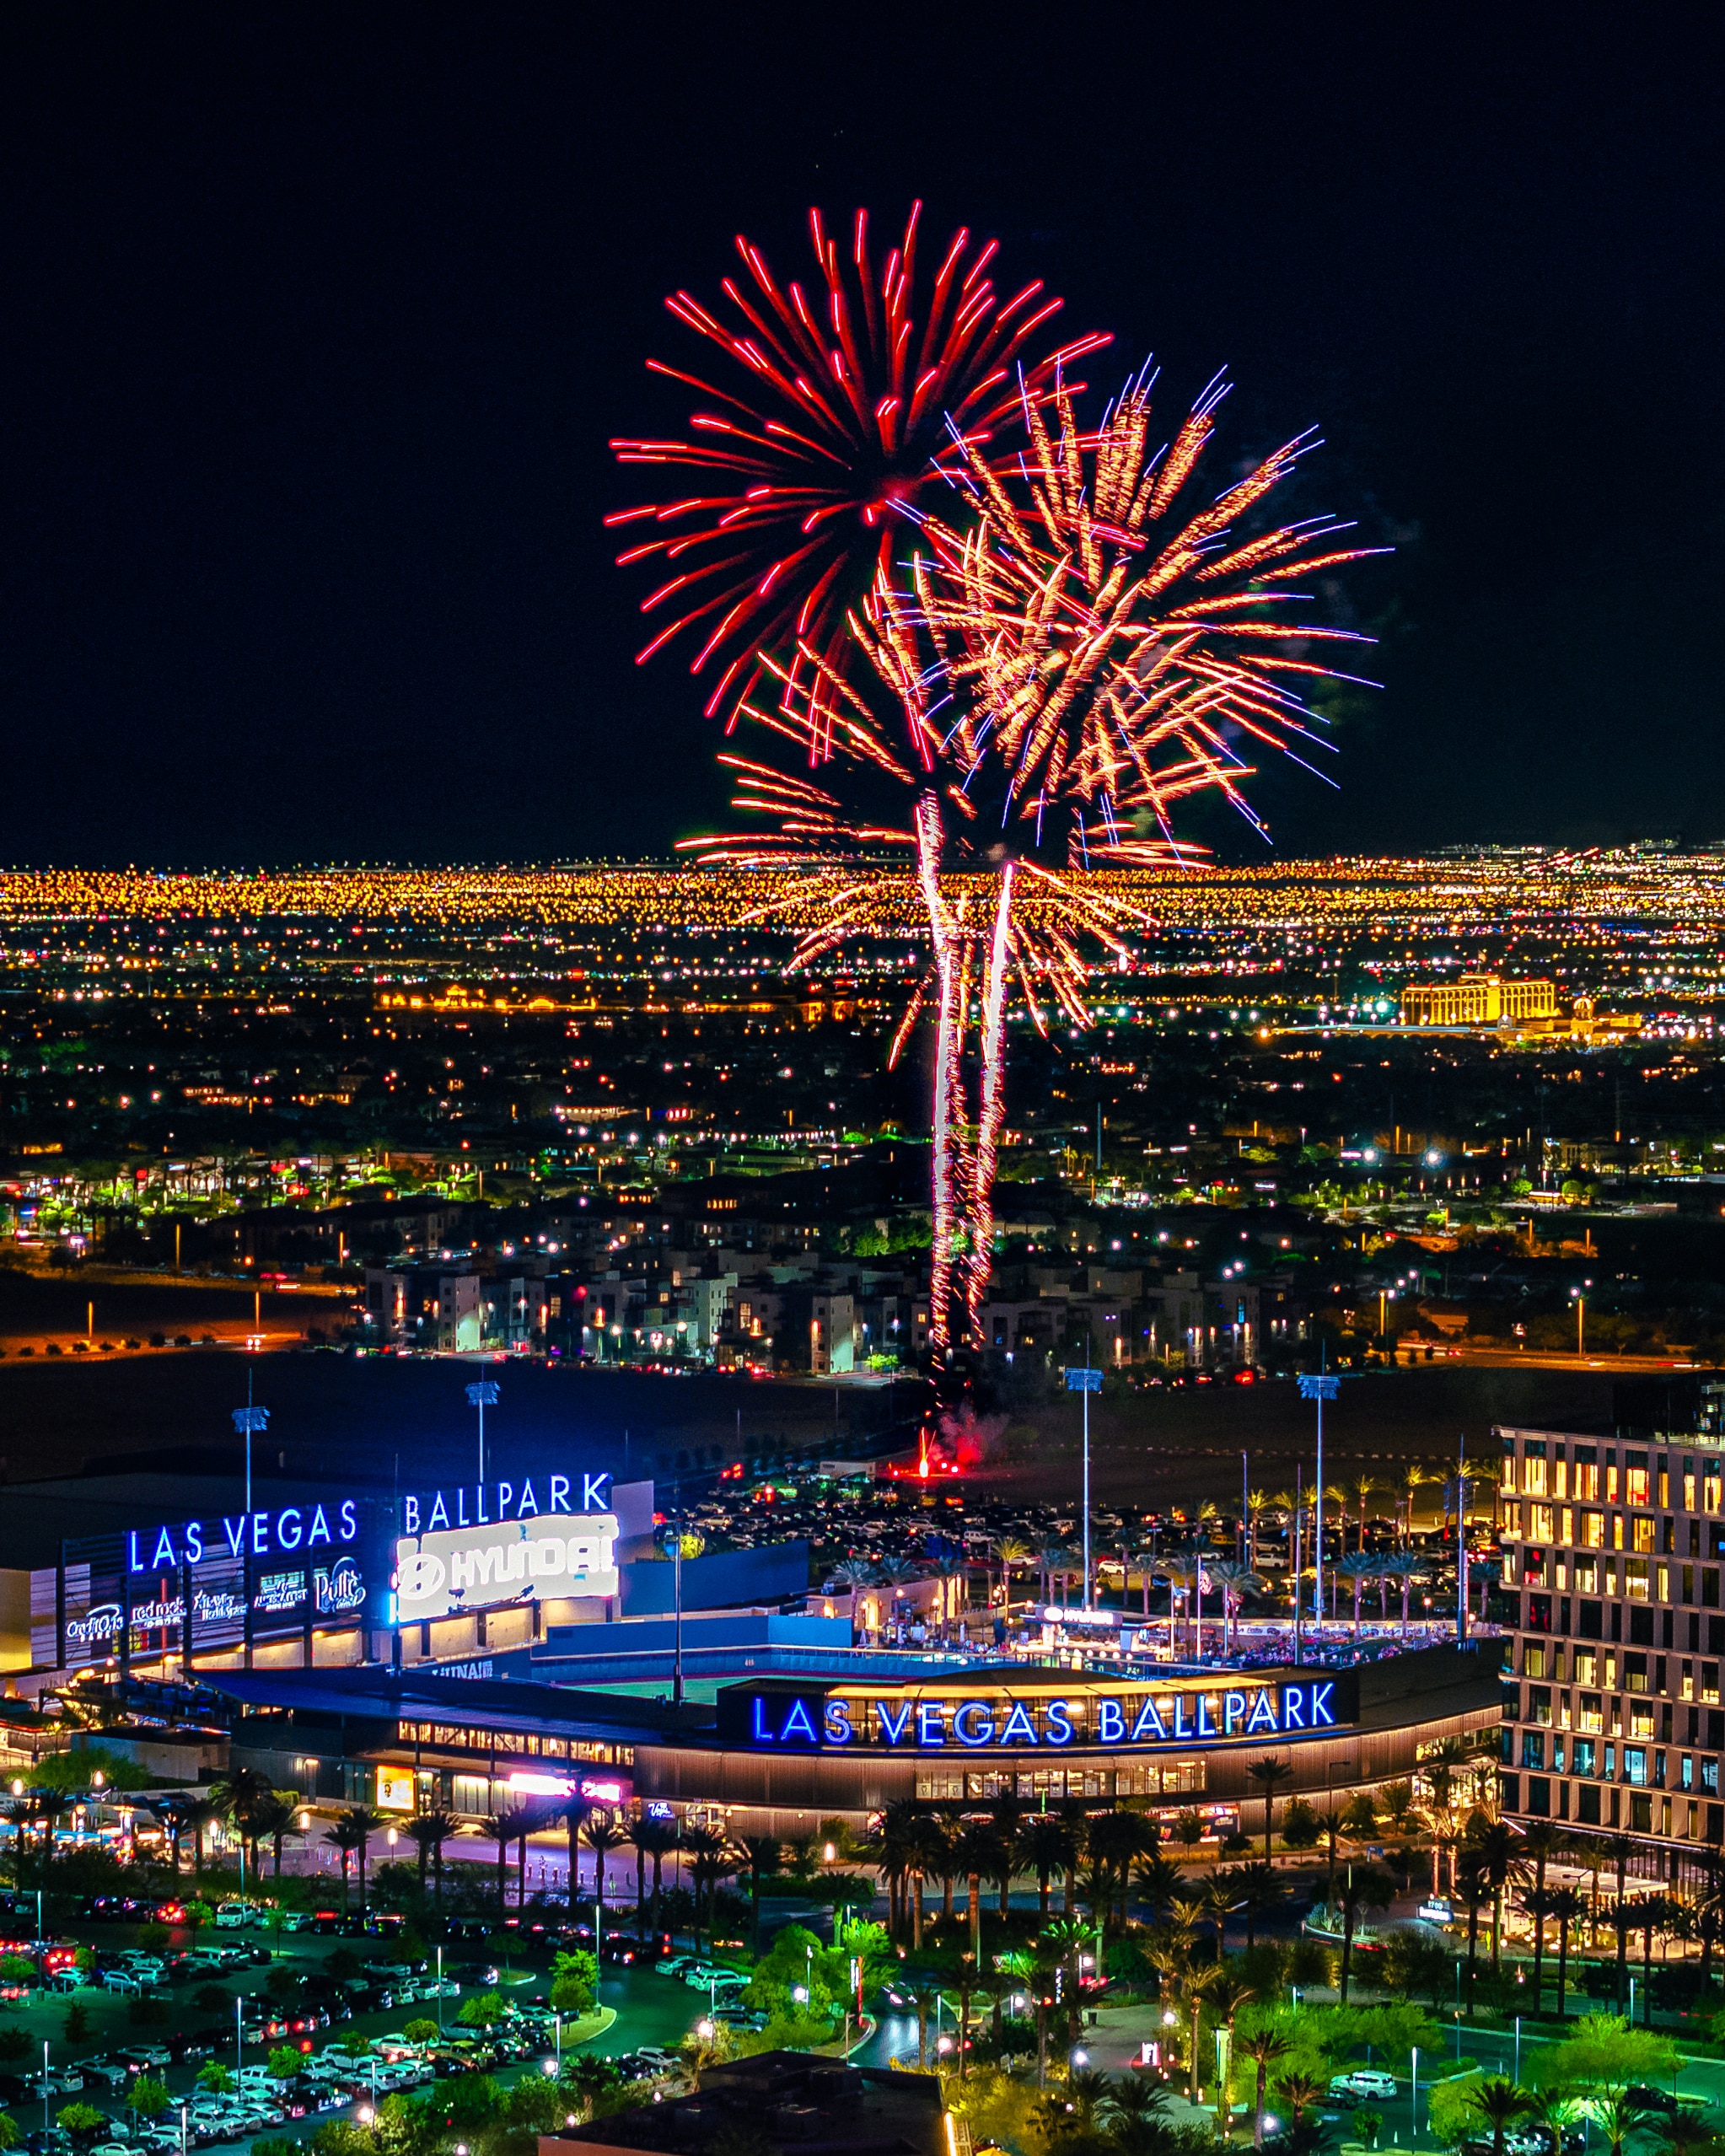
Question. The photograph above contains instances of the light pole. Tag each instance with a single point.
(1318, 1388)
(440, 1991)
(1413, 2129)
(1086, 1381)
(246, 1420)
(1579, 1296)
(482, 1393)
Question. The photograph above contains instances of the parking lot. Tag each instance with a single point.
(344, 2001)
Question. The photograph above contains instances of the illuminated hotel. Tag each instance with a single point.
(1478, 999)
(1612, 1558)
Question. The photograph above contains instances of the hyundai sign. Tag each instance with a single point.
(545, 1557)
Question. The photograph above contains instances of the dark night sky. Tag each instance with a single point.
(319, 320)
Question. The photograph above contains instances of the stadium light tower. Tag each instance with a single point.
(482, 1393)
(246, 1420)
(1319, 1387)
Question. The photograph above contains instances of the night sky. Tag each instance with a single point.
(318, 322)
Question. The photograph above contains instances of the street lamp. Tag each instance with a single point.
(1578, 1296)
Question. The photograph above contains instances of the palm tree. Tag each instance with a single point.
(1619, 1849)
(1266, 2047)
(365, 1822)
(898, 1573)
(1541, 1842)
(574, 1810)
(1270, 1774)
(1447, 1756)
(1055, 1561)
(1683, 2133)
(1475, 1890)
(1234, 1581)
(1135, 2115)
(949, 1568)
(1356, 1571)
(603, 1834)
(1066, 1939)
(653, 1839)
(925, 1990)
(926, 1847)
(978, 1851)
(239, 1796)
(1568, 1907)
(1299, 2094)
(1257, 1504)
(1618, 2115)
(1412, 1478)
(764, 1854)
(1258, 1892)
(1183, 1575)
(1362, 1889)
(1649, 1913)
(1157, 1882)
(273, 1818)
(857, 1573)
(1047, 1845)
(711, 1858)
(1007, 1814)
(1497, 2103)
(503, 1827)
(429, 1831)
(1401, 1569)
(1011, 1550)
(1226, 1994)
(1364, 1487)
(1117, 1841)
(1497, 1849)
(193, 1814)
(345, 1837)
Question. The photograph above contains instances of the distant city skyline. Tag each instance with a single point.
(319, 340)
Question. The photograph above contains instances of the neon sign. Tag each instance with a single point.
(484, 1504)
(236, 1535)
(1291, 1708)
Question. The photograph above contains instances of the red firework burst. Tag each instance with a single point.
(847, 412)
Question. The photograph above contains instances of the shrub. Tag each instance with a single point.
(421, 2031)
(81, 2118)
(77, 2022)
(574, 1982)
(147, 2097)
(1299, 1825)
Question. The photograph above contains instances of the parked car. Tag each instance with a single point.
(1363, 2080)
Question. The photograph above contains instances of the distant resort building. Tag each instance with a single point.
(1528, 1009)
(1479, 999)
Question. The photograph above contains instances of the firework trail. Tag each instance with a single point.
(1071, 645)
(847, 407)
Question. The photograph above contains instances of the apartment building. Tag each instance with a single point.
(1613, 1550)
